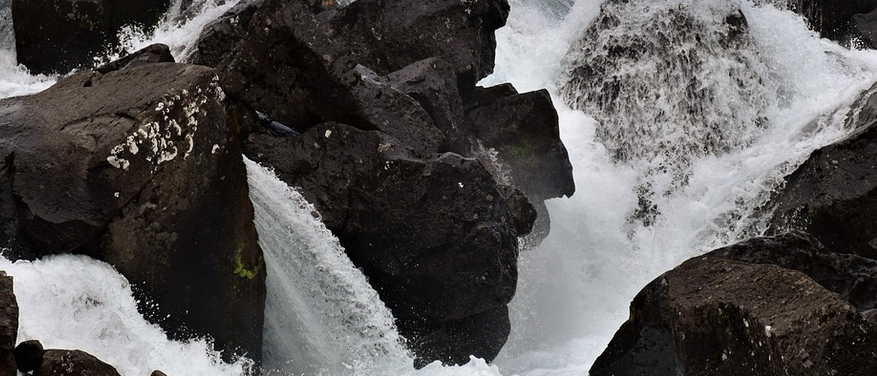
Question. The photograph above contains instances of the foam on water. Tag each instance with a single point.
(179, 29)
(575, 287)
(74, 302)
(322, 316)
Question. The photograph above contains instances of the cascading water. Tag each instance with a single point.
(736, 108)
(321, 313)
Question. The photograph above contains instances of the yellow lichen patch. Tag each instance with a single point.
(240, 269)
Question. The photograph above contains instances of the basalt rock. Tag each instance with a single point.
(839, 20)
(434, 236)
(523, 132)
(221, 35)
(56, 36)
(154, 53)
(713, 316)
(396, 33)
(73, 362)
(8, 325)
(147, 175)
(291, 62)
(453, 342)
(29, 355)
(831, 194)
(852, 277)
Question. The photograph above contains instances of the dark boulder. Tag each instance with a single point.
(523, 131)
(453, 342)
(147, 175)
(713, 316)
(59, 35)
(289, 66)
(291, 63)
(852, 277)
(871, 315)
(434, 236)
(865, 25)
(29, 355)
(396, 33)
(835, 19)
(433, 84)
(221, 35)
(73, 362)
(8, 325)
(154, 53)
(831, 194)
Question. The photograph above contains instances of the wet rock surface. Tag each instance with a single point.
(852, 277)
(387, 154)
(830, 194)
(8, 325)
(59, 35)
(29, 355)
(73, 362)
(713, 316)
(147, 176)
(379, 199)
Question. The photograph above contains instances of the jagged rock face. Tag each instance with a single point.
(28, 355)
(833, 19)
(55, 36)
(146, 175)
(434, 236)
(379, 90)
(73, 362)
(830, 194)
(713, 316)
(8, 325)
(397, 33)
(521, 132)
(221, 35)
(291, 61)
(852, 277)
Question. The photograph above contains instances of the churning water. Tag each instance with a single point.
(680, 116)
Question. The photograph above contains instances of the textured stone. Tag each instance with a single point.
(714, 317)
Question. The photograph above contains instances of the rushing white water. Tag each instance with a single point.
(74, 302)
(575, 287)
(321, 313)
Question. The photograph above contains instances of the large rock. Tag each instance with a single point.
(55, 36)
(852, 277)
(8, 325)
(221, 35)
(713, 316)
(396, 33)
(434, 236)
(523, 131)
(831, 194)
(290, 65)
(138, 167)
(28, 355)
(73, 362)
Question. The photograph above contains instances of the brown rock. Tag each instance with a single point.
(719, 317)
(8, 325)
(73, 362)
(147, 175)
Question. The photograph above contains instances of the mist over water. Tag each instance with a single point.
(788, 93)
(575, 287)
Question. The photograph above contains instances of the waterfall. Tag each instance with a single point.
(681, 117)
(321, 313)
(574, 289)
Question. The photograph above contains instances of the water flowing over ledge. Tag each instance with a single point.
(574, 288)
